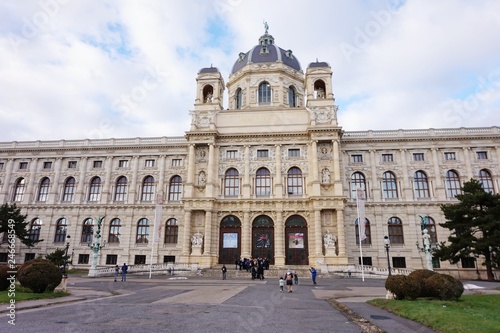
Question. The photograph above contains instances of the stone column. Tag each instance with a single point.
(279, 239)
(246, 186)
(31, 191)
(188, 188)
(186, 234)
(161, 180)
(341, 233)
(208, 233)
(318, 249)
(468, 166)
(107, 188)
(133, 194)
(246, 235)
(375, 185)
(54, 194)
(407, 189)
(278, 183)
(209, 192)
(4, 194)
(80, 188)
(439, 185)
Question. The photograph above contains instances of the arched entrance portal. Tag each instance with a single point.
(229, 240)
(296, 241)
(263, 238)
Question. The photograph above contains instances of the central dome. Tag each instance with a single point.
(266, 51)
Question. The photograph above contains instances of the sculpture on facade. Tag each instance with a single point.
(325, 176)
(202, 178)
(197, 239)
(329, 240)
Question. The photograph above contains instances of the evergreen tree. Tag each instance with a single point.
(12, 219)
(58, 257)
(474, 223)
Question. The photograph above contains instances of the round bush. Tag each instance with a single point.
(403, 287)
(39, 275)
(445, 287)
(4, 283)
(421, 276)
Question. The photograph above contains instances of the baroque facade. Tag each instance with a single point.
(270, 175)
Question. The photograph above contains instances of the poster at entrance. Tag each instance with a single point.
(263, 240)
(296, 240)
(230, 240)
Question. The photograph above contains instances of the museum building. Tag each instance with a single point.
(272, 175)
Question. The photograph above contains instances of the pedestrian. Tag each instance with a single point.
(313, 274)
(289, 281)
(282, 284)
(236, 263)
(124, 272)
(224, 271)
(117, 270)
(295, 278)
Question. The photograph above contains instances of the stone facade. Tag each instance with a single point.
(267, 176)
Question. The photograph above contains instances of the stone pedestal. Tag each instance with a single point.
(330, 252)
(63, 286)
(196, 251)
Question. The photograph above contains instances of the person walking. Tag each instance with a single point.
(313, 274)
(124, 272)
(289, 281)
(224, 272)
(295, 278)
(117, 270)
(282, 283)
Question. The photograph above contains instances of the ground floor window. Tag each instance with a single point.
(29, 256)
(367, 261)
(111, 259)
(139, 260)
(83, 259)
(168, 258)
(436, 263)
(399, 262)
(468, 262)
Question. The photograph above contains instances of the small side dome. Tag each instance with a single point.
(318, 64)
(208, 70)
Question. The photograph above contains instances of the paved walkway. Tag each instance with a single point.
(352, 293)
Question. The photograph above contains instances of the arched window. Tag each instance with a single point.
(69, 189)
(389, 185)
(368, 239)
(421, 185)
(148, 189)
(452, 184)
(238, 98)
(486, 180)
(430, 225)
(61, 228)
(43, 190)
(292, 102)
(294, 181)
(264, 93)
(87, 230)
(115, 229)
(395, 227)
(142, 231)
(19, 189)
(208, 94)
(358, 181)
(319, 89)
(232, 183)
(263, 182)
(171, 231)
(35, 227)
(121, 189)
(175, 189)
(95, 189)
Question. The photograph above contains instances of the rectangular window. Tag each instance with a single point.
(176, 162)
(140, 260)
(436, 263)
(123, 163)
(418, 156)
(149, 163)
(482, 155)
(47, 165)
(23, 165)
(357, 158)
(294, 152)
(468, 262)
(262, 153)
(29, 256)
(399, 262)
(1, 165)
(231, 154)
(71, 164)
(97, 164)
(168, 258)
(367, 261)
(83, 259)
(111, 259)
(387, 158)
(450, 156)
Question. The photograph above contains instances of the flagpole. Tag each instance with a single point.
(359, 232)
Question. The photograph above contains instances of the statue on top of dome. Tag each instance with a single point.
(266, 27)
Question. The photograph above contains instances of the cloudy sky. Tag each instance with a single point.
(74, 69)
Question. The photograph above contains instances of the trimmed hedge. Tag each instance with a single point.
(421, 276)
(39, 275)
(403, 287)
(4, 283)
(445, 287)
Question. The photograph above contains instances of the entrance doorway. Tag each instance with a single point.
(296, 241)
(229, 240)
(263, 238)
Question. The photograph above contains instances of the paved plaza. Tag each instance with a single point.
(200, 304)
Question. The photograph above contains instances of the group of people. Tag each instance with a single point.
(123, 271)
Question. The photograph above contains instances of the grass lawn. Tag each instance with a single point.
(472, 313)
(24, 294)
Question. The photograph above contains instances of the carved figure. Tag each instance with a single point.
(202, 178)
(325, 176)
(197, 239)
(329, 240)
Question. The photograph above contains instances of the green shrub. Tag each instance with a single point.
(39, 275)
(445, 287)
(421, 276)
(4, 283)
(403, 287)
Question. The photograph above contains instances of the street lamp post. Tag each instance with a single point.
(65, 261)
(96, 246)
(387, 243)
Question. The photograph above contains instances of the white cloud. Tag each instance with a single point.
(68, 66)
